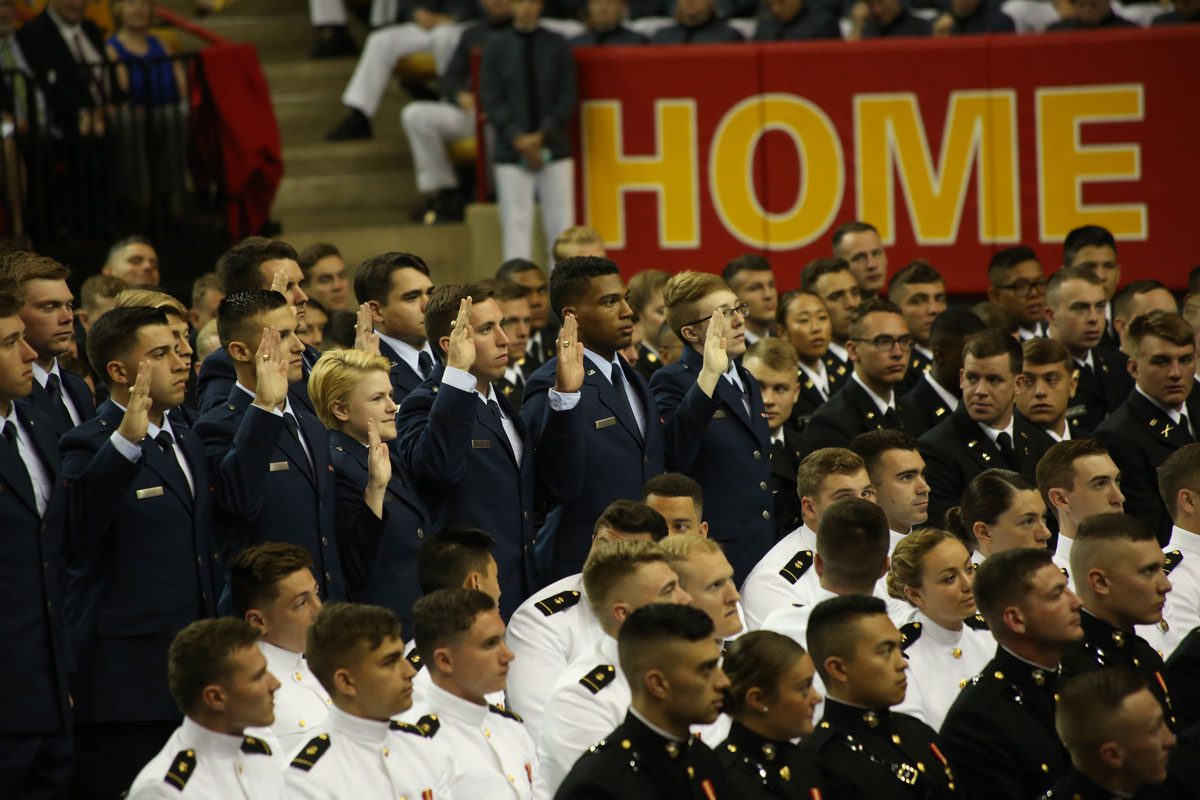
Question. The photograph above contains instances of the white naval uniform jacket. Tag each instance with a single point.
(774, 581)
(301, 703)
(940, 663)
(199, 764)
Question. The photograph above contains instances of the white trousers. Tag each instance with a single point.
(516, 187)
(333, 12)
(384, 49)
(430, 127)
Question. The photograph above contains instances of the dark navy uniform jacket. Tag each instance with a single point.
(467, 475)
(36, 657)
(141, 565)
(266, 488)
(217, 377)
(852, 411)
(74, 387)
(724, 449)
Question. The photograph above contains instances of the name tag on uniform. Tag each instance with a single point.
(481, 444)
(153, 491)
(1075, 411)
(607, 422)
(278, 466)
(720, 413)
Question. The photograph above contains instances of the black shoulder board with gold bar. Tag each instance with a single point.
(181, 769)
(414, 659)
(307, 758)
(255, 746)
(598, 678)
(559, 602)
(794, 569)
(909, 634)
(976, 621)
(504, 712)
(405, 727)
(1171, 560)
(429, 725)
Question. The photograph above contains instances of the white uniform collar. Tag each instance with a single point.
(408, 354)
(366, 731)
(883, 405)
(285, 660)
(454, 707)
(209, 742)
(936, 632)
(1183, 539)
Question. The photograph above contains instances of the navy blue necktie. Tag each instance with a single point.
(54, 389)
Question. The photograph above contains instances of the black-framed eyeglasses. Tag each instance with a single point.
(741, 309)
(1025, 288)
(885, 343)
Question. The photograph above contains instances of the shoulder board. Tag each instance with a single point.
(799, 565)
(909, 634)
(598, 677)
(405, 727)
(307, 758)
(429, 725)
(258, 746)
(1171, 560)
(822, 733)
(504, 712)
(559, 602)
(414, 660)
(182, 767)
(976, 621)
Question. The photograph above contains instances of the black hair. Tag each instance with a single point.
(571, 277)
(373, 278)
(238, 309)
(113, 334)
(446, 559)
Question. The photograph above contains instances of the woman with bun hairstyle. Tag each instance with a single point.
(946, 640)
(1000, 510)
(771, 699)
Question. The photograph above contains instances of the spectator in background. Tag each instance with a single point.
(134, 261)
(859, 245)
(340, 331)
(920, 293)
(207, 341)
(696, 22)
(578, 240)
(514, 304)
(791, 20)
(752, 280)
(670, 346)
(432, 125)
(1093, 247)
(97, 295)
(1017, 284)
(1134, 300)
(15, 91)
(206, 296)
(1185, 12)
(58, 41)
(147, 74)
(332, 39)
(804, 322)
(772, 362)
(874, 19)
(970, 17)
(605, 22)
(527, 87)
(543, 327)
(938, 392)
(646, 298)
(1091, 15)
(315, 320)
(832, 280)
(325, 276)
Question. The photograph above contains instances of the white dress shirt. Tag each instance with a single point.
(949, 399)
(133, 452)
(39, 476)
(880, 403)
(819, 377)
(840, 351)
(408, 354)
(605, 368)
(767, 587)
(1176, 414)
(211, 766)
(940, 662)
(287, 409)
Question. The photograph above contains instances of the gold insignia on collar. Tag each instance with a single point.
(972, 443)
(1163, 625)
(939, 412)
(785, 773)
(871, 718)
(1039, 677)
(841, 370)
(870, 415)
(986, 456)
(956, 652)
(768, 751)
(672, 749)
(1166, 431)
(1118, 638)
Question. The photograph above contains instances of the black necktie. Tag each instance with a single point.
(1004, 442)
(1183, 426)
(54, 389)
(618, 381)
(494, 407)
(166, 444)
(293, 429)
(10, 435)
(424, 364)
(891, 419)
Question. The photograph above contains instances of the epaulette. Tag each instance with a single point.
(1171, 560)
(414, 660)
(799, 564)
(307, 758)
(822, 734)
(256, 746)
(559, 602)
(405, 727)
(429, 725)
(504, 712)
(976, 622)
(909, 634)
(181, 769)
(598, 678)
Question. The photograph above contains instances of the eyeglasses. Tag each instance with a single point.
(885, 343)
(1026, 288)
(742, 309)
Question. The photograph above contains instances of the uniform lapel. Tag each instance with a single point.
(167, 468)
(295, 453)
(978, 445)
(15, 474)
(607, 394)
(488, 419)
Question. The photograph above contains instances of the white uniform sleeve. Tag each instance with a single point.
(539, 662)
(574, 722)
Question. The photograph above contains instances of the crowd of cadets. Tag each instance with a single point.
(578, 538)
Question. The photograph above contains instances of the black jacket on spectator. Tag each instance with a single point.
(527, 84)
(905, 24)
(810, 23)
(73, 386)
(1111, 21)
(618, 35)
(457, 77)
(1175, 18)
(988, 18)
(70, 91)
(711, 31)
(1102, 388)
(929, 404)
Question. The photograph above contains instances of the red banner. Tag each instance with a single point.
(953, 148)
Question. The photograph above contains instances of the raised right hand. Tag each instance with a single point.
(271, 371)
(136, 421)
(461, 351)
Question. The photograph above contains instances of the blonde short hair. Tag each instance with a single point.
(335, 376)
(682, 293)
(580, 234)
(132, 298)
(608, 566)
(207, 340)
(681, 549)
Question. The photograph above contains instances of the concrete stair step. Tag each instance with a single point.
(292, 76)
(348, 192)
(446, 248)
(271, 33)
(304, 118)
(370, 157)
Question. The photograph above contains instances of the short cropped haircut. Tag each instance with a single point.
(1096, 531)
(343, 633)
(996, 317)
(1043, 352)
(202, 285)
(443, 306)
(10, 301)
(443, 616)
(683, 291)
(953, 327)
(987, 496)
(1054, 285)
(819, 464)
(644, 285)
(1056, 469)
(114, 252)
(991, 343)
(917, 271)
(1168, 327)
(833, 627)
(335, 376)
(848, 228)
(1005, 579)
(906, 566)
(255, 573)
(23, 266)
(652, 627)
(1086, 236)
(877, 305)
(112, 336)
(871, 446)
(1087, 707)
(630, 516)
(1004, 260)
(747, 262)
(774, 354)
(200, 656)
(607, 567)
(98, 286)
(852, 541)
(238, 312)
(515, 266)
(151, 298)
(679, 550)
(815, 270)
(238, 267)
(310, 255)
(373, 278)
(675, 484)
(571, 277)
(505, 291)
(1123, 300)
(758, 658)
(445, 559)
(577, 234)
(1180, 471)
